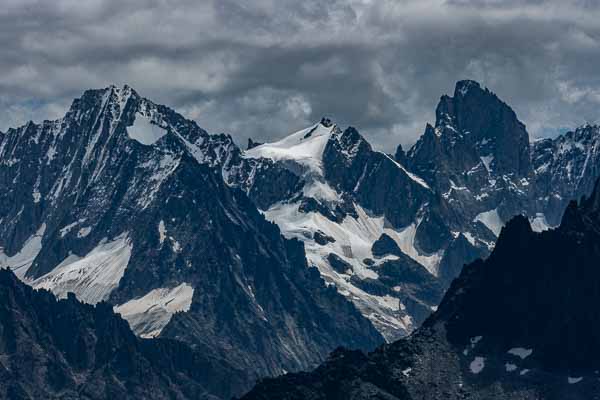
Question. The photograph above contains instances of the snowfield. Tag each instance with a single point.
(92, 277)
(149, 314)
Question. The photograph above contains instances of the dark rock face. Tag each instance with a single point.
(322, 238)
(459, 253)
(384, 246)
(374, 179)
(252, 144)
(400, 155)
(489, 124)
(479, 161)
(338, 263)
(545, 283)
(121, 185)
(521, 324)
(67, 349)
(414, 286)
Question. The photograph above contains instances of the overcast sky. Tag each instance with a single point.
(265, 68)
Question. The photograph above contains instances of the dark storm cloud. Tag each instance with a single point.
(267, 67)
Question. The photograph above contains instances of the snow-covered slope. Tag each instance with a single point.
(339, 226)
(304, 147)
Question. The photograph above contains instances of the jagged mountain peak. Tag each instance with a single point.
(476, 146)
(338, 195)
(112, 95)
(463, 87)
(584, 133)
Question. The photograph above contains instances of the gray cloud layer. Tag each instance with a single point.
(264, 68)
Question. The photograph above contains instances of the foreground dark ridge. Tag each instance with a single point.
(522, 324)
(124, 199)
(53, 348)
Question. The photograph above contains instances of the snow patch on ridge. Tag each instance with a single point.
(353, 236)
(83, 232)
(539, 223)
(144, 131)
(353, 240)
(162, 231)
(510, 367)
(67, 228)
(93, 277)
(477, 365)
(487, 162)
(520, 352)
(320, 191)
(149, 314)
(21, 262)
(304, 147)
(412, 176)
(491, 220)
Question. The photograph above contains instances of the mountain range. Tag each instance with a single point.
(123, 201)
(265, 260)
(391, 232)
(518, 325)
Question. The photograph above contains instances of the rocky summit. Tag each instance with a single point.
(516, 326)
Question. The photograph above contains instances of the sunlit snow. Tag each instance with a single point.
(510, 367)
(149, 314)
(162, 231)
(520, 352)
(93, 276)
(144, 131)
(487, 161)
(477, 365)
